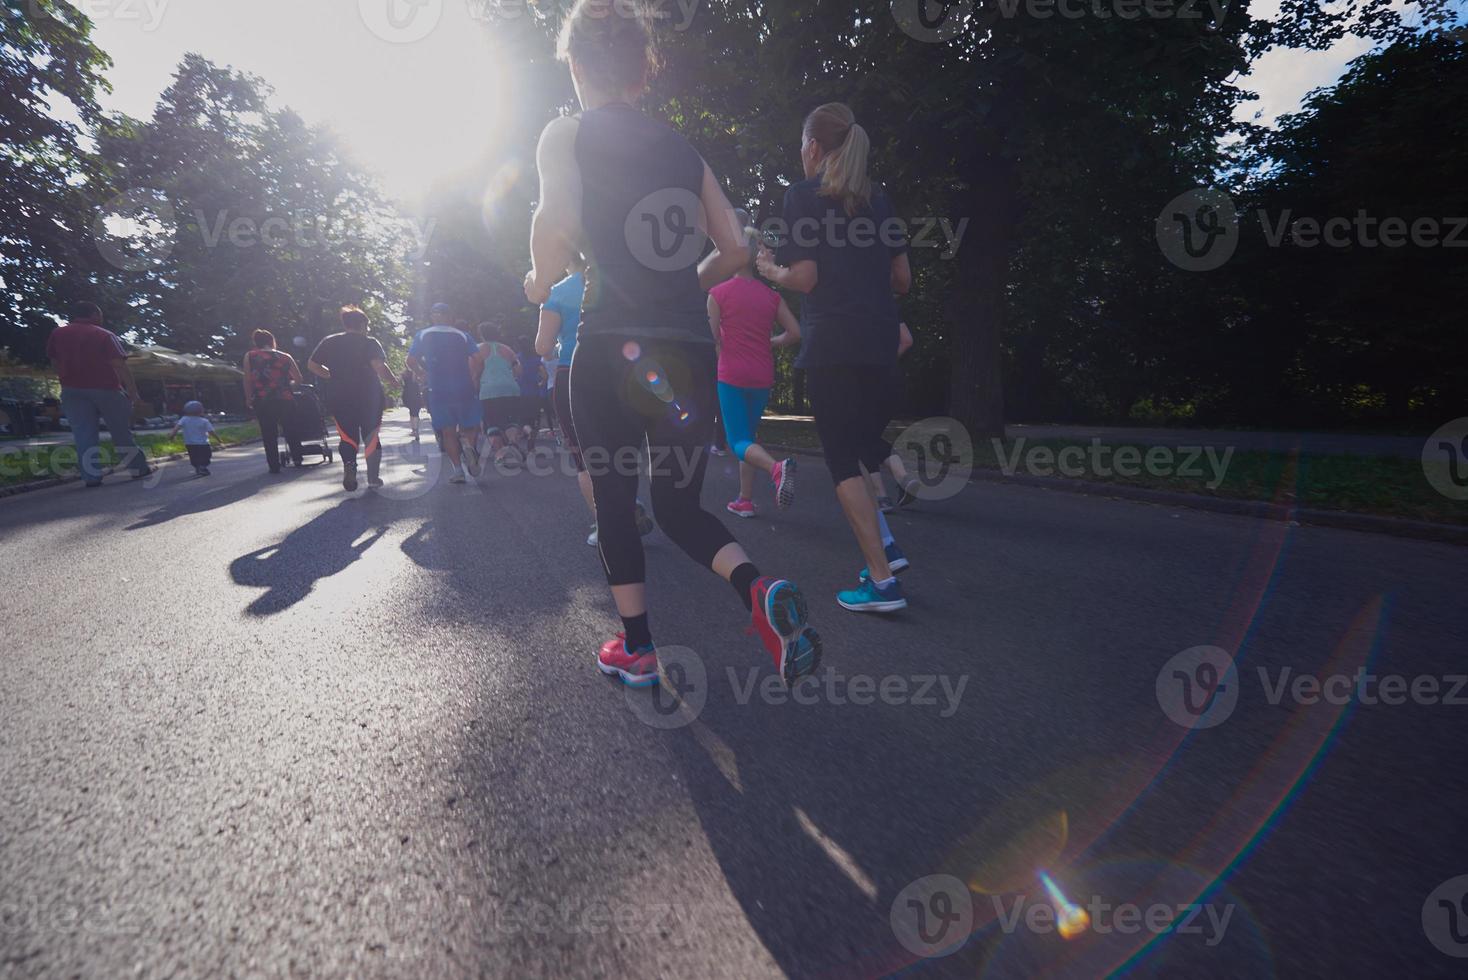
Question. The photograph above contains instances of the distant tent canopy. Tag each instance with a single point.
(163, 364)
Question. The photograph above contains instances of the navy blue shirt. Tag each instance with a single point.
(850, 318)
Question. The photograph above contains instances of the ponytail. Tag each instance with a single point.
(846, 147)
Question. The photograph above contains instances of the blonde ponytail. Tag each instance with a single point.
(846, 147)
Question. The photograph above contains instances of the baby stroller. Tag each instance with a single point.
(307, 425)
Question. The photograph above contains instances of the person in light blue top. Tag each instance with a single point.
(499, 389)
(560, 320)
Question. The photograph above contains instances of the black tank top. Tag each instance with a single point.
(640, 187)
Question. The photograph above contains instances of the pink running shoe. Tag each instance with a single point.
(636, 669)
(784, 477)
(740, 507)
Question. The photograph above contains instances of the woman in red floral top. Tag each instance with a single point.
(268, 376)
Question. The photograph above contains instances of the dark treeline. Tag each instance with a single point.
(1047, 148)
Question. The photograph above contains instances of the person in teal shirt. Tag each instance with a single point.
(499, 390)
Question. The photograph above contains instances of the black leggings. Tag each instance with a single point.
(627, 393)
(357, 426)
(274, 417)
(561, 413)
(852, 405)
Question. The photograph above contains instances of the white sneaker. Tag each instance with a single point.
(471, 461)
(456, 475)
(591, 539)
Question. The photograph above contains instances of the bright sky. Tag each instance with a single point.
(411, 84)
(411, 109)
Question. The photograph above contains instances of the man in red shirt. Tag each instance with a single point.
(96, 383)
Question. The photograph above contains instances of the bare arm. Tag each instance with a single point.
(904, 339)
(318, 369)
(715, 321)
(800, 277)
(555, 229)
(790, 327)
(125, 375)
(547, 332)
(731, 251)
(295, 370)
(416, 365)
(901, 275)
(384, 372)
(246, 383)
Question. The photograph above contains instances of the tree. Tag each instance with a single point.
(260, 220)
(46, 55)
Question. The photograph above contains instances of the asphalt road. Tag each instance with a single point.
(255, 726)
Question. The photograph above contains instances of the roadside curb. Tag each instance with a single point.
(1341, 519)
(56, 481)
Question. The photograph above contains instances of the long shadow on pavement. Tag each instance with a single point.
(319, 549)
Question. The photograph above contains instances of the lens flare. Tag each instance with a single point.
(632, 350)
(1071, 920)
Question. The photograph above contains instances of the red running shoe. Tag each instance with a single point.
(780, 613)
(636, 669)
(741, 508)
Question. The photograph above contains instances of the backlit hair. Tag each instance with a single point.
(263, 339)
(354, 319)
(846, 147)
(611, 42)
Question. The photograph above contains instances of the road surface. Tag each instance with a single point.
(255, 726)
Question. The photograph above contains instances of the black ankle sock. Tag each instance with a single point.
(639, 634)
(742, 578)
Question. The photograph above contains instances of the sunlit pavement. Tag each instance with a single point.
(253, 725)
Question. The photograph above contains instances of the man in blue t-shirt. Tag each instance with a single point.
(443, 353)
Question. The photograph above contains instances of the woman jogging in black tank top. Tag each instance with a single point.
(626, 191)
(841, 252)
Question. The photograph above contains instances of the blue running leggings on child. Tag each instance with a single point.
(741, 409)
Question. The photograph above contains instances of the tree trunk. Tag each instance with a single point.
(975, 308)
